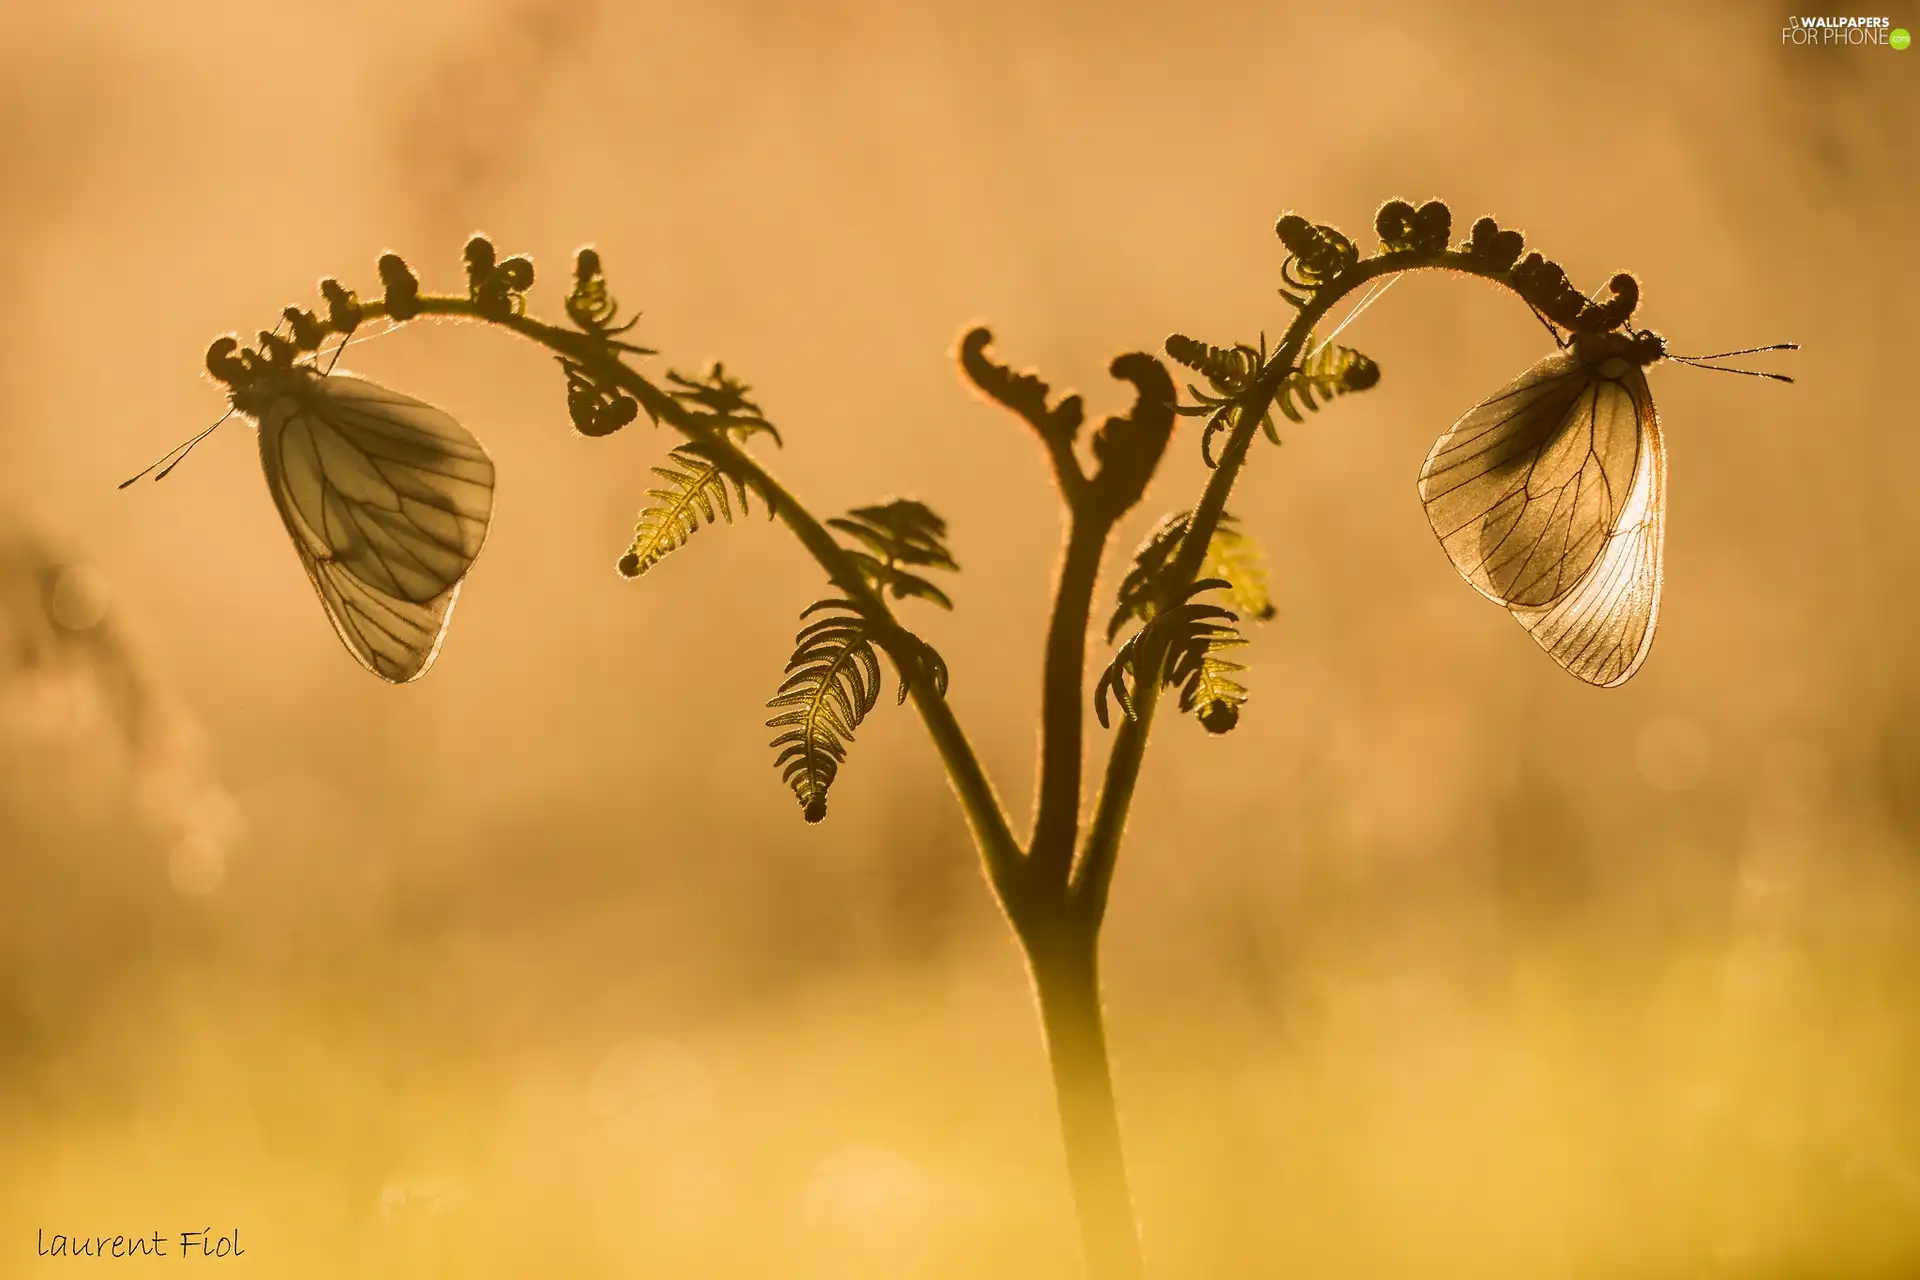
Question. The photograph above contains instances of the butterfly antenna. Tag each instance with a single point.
(178, 453)
(1744, 351)
(1720, 368)
(1700, 362)
(1371, 296)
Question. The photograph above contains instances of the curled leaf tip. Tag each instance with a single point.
(224, 361)
(1219, 717)
(1316, 254)
(1405, 229)
(479, 259)
(402, 287)
(1489, 244)
(343, 308)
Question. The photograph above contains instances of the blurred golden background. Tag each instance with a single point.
(1443, 964)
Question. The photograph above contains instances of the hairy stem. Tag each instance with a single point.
(1066, 979)
(1063, 703)
(1000, 853)
(1094, 877)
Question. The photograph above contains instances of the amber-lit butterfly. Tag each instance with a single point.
(387, 500)
(1550, 497)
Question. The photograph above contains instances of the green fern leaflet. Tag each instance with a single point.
(1232, 554)
(833, 681)
(898, 534)
(1178, 644)
(1328, 372)
(696, 493)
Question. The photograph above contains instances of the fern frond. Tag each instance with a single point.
(1210, 689)
(1232, 554)
(1145, 581)
(696, 493)
(1173, 647)
(922, 657)
(720, 401)
(1230, 370)
(832, 682)
(1331, 371)
(593, 309)
(1235, 555)
(899, 533)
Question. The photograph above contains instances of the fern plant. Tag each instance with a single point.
(1192, 582)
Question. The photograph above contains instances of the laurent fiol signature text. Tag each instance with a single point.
(203, 1242)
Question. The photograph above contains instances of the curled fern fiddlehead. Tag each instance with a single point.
(1024, 393)
(1405, 229)
(597, 406)
(1174, 647)
(343, 306)
(1331, 371)
(833, 681)
(402, 287)
(1230, 371)
(1489, 244)
(1129, 446)
(589, 305)
(1316, 253)
(1601, 317)
(898, 534)
(1544, 286)
(497, 288)
(308, 332)
(696, 491)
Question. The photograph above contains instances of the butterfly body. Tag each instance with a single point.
(1549, 497)
(387, 500)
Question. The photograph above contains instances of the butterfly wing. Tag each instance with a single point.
(1523, 491)
(387, 500)
(1602, 629)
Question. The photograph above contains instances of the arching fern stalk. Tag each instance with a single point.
(1192, 581)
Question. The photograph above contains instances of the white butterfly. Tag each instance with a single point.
(1550, 498)
(387, 500)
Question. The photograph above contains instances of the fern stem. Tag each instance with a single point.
(1063, 698)
(1066, 977)
(1000, 853)
(1093, 876)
